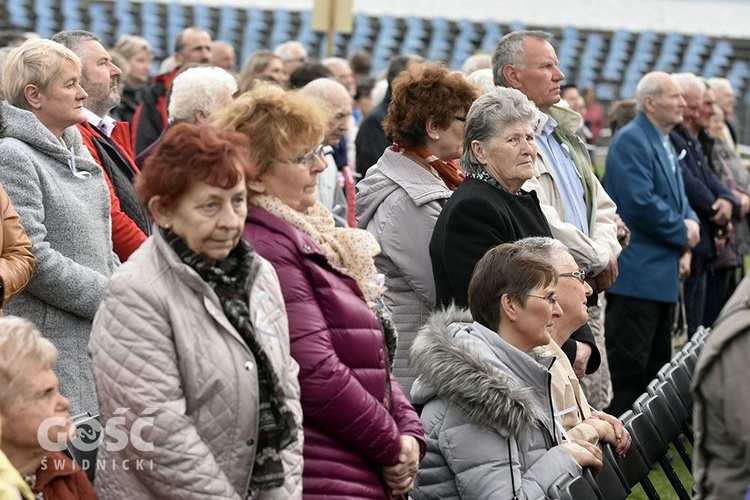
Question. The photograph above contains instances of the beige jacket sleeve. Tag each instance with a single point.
(590, 252)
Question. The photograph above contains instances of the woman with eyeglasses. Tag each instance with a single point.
(488, 413)
(489, 207)
(572, 409)
(401, 197)
(362, 437)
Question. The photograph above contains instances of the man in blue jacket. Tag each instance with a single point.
(645, 181)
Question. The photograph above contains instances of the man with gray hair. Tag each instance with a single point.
(709, 197)
(580, 213)
(192, 45)
(645, 180)
(197, 93)
(335, 187)
(293, 54)
(108, 140)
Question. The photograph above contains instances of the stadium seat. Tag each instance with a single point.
(610, 480)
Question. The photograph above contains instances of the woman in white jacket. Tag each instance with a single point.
(192, 335)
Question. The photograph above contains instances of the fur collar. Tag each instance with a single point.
(461, 374)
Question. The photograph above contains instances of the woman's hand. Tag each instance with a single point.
(586, 454)
(623, 439)
(604, 429)
(400, 477)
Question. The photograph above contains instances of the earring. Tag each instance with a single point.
(167, 226)
(437, 137)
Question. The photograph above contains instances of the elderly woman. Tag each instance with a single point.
(726, 268)
(362, 437)
(63, 201)
(193, 326)
(488, 416)
(401, 197)
(262, 64)
(571, 405)
(34, 415)
(489, 207)
(138, 53)
(196, 94)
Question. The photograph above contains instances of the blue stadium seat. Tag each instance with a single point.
(439, 41)
(202, 17)
(72, 19)
(614, 62)
(99, 20)
(124, 17)
(693, 57)
(669, 55)
(19, 15)
(492, 34)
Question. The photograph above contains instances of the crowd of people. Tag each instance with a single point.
(312, 284)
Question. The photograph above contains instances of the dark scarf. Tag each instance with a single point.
(486, 177)
(276, 427)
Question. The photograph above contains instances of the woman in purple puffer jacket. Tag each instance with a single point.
(362, 437)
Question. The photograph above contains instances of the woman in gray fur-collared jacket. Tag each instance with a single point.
(488, 412)
(62, 199)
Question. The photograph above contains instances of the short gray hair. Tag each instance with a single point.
(688, 81)
(483, 79)
(649, 86)
(198, 88)
(509, 51)
(544, 248)
(21, 348)
(476, 62)
(72, 39)
(284, 51)
(490, 114)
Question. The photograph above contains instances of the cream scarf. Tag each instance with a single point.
(350, 251)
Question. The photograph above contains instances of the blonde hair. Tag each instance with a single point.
(21, 347)
(35, 62)
(130, 45)
(275, 121)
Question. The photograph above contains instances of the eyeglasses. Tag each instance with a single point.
(552, 299)
(462, 119)
(308, 159)
(580, 275)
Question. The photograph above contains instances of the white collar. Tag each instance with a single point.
(105, 125)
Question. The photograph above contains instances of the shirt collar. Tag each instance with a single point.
(104, 125)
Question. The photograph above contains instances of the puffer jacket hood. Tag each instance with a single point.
(450, 367)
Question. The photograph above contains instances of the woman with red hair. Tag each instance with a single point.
(192, 335)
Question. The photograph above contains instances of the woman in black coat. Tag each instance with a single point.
(490, 208)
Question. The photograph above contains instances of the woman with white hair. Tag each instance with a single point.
(196, 94)
(29, 401)
(63, 201)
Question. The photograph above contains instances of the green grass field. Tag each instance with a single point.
(660, 481)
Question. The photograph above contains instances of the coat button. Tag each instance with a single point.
(307, 247)
(250, 442)
(249, 366)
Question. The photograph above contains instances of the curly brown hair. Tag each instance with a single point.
(424, 91)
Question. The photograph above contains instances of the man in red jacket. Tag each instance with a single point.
(193, 45)
(107, 140)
